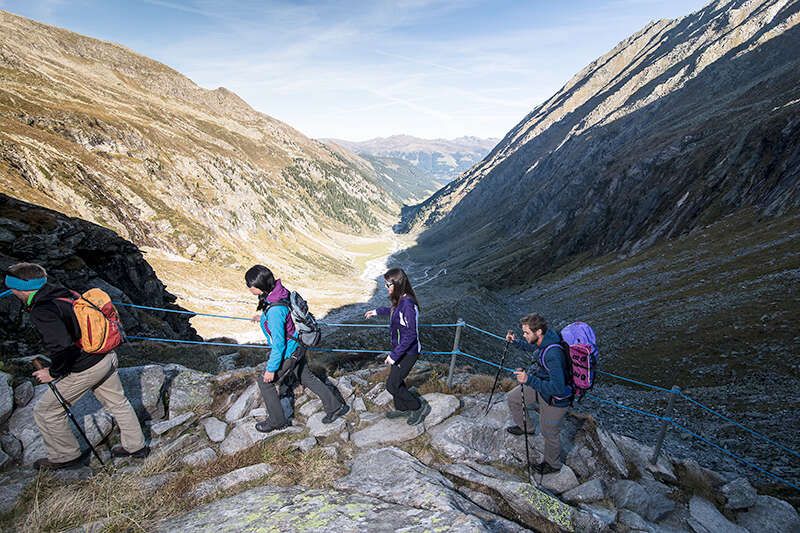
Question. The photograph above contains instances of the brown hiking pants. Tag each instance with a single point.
(550, 418)
(59, 441)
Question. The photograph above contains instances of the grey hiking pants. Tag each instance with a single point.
(270, 392)
(550, 418)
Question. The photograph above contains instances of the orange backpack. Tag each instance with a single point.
(101, 329)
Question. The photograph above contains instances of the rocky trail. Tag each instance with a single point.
(458, 471)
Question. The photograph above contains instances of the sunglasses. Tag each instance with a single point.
(388, 284)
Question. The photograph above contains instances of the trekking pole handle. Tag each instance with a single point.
(37, 364)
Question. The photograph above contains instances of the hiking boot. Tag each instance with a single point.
(47, 464)
(516, 430)
(416, 417)
(398, 414)
(544, 468)
(141, 453)
(329, 418)
(266, 427)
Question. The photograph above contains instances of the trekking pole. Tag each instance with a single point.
(38, 366)
(5, 293)
(525, 432)
(496, 378)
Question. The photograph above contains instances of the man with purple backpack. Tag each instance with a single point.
(548, 383)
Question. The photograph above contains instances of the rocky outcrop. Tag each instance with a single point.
(81, 255)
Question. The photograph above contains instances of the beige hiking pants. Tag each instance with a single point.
(56, 432)
(550, 418)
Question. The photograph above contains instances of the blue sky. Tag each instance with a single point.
(357, 70)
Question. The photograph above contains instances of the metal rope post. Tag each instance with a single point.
(456, 347)
(674, 393)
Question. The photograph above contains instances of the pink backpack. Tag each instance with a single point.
(583, 355)
(580, 344)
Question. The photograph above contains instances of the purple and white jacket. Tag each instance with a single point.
(403, 328)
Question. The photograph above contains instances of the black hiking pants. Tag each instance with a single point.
(396, 385)
(270, 392)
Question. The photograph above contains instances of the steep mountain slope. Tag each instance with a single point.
(681, 124)
(413, 168)
(94, 130)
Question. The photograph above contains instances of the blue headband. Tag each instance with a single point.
(24, 284)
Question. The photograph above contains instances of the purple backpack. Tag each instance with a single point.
(583, 355)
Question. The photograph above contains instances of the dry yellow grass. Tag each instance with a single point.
(121, 502)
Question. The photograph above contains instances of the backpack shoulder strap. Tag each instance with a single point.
(543, 352)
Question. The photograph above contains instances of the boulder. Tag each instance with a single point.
(770, 515)
(143, 387)
(591, 491)
(11, 446)
(582, 461)
(639, 455)
(610, 452)
(739, 494)
(536, 508)
(5, 459)
(388, 473)
(594, 518)
(259, 412)
(634, 522)
(630, 495)
(245, 435)
(442, 407)
(310, 407)
(12, 487)
(386, 431)
(22, 427)
(384, 398)
(97, 427)
(301, 509)
(305, 445)
(189, 390)
(317, 429)
(215, 428)
(242, 406)
(705, 518)
(463, 437)
(162, 427)
(659, 500)
(6, 397)
(359, 405)
(23, 394)
(200, 457)
(560, 481)
(232, 479)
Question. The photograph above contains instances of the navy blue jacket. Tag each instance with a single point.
(551, 381)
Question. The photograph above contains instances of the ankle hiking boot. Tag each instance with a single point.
(516, 430)
(398, 414)
(47, 464)
(419, 415)
(141, 453)
(266, 427)
(329, 418)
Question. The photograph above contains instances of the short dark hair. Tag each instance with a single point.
(27, 271)
(534, 321)
(260, 277)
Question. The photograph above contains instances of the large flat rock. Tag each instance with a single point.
(294, 509)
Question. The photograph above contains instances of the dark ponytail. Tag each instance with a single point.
(260, 277)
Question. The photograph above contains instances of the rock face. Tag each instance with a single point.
(189, 390)
(80, 255)
(143, 388)
(593, 165)
(295, 509)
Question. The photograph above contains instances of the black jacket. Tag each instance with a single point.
(56, 322)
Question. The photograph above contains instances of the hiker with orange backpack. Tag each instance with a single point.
(82, 358)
